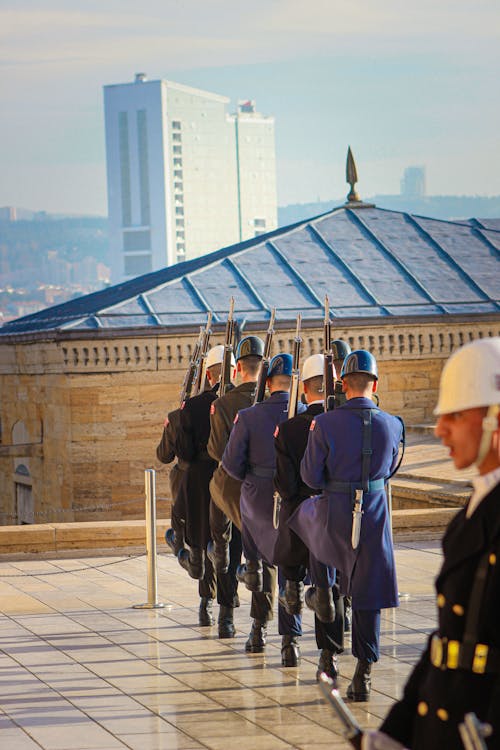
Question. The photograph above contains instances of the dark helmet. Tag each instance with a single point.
(340, 349)
(250, 346)
(360, 361)
(281, 364)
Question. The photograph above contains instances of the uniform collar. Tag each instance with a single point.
(278, 396)
(358, 402)
(483, 484)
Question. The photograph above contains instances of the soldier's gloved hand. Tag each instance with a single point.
(379, 741)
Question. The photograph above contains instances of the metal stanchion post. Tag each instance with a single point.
(150, 488)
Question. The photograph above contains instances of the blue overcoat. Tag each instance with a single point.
(324, 522)
(249, 456)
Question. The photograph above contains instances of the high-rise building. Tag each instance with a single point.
(184, 176)
(413, 182)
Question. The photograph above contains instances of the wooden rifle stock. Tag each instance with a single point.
(294, 385)
(260, 389)
(328, 381)
(225, 377)
(200, 368)
(189, 377)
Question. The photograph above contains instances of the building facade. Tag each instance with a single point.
(184, 176)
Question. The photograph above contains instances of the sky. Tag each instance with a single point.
(403, 83)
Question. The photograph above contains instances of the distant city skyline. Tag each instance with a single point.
(412, 88)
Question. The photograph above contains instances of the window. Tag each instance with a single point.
(176, 125)
(179, 222)
(179, 211)
(259, 222)
(177, 162)
(181, 247)
(178, 173)
(135, 265)
(177, 149)
(176, 137)
(136, 241)
(178, 186)
(179, 199)
(180, 235)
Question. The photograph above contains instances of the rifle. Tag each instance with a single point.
(294, 386)
(328, 383)
(200, 366)
(187, 385)
(225, 377)
(264, 365)
(352, 730)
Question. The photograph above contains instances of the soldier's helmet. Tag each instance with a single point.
(250, 346)
(340, 349)
(281, 364)
(215, 356)
(360, 361)
(471, 377)
(315, 366)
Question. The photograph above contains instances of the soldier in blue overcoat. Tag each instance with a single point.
(351, 453)
(249, 457)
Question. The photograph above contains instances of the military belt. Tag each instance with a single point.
(478, 658)
(349, 488)
(261, 471)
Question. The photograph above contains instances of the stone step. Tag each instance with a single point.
(408, 491)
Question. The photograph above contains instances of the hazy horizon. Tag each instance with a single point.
(403, 89)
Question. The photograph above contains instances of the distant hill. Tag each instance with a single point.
(436, 206)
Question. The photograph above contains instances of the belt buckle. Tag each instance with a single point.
(480, 658)
(453, 654)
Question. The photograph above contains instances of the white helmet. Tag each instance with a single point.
(471, 377)
(215, 356)
(314, 366)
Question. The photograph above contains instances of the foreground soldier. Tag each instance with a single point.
(225, 518)
(191, 447)
(459, 672)
(291, 554)
(351, 452)
(250, 458)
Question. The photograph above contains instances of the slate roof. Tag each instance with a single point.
(373, 263)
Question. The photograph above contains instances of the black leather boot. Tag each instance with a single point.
(251, 575)
(173, 542)
(219, 556)
(290, 651)
(205, 612)
(193, 561)
(359, 689)
(293, 597)
(321, 601)
(256, 641)
(226, 624)
(328, 664)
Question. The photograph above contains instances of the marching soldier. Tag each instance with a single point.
(191, 447)
(174, 536)
(459, 671)
(225, 518)
(249, 457)
(291, 554)
(350, 454)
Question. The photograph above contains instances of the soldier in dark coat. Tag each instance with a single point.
(459, 671)
(291, 553)
(174, 536)
(350, 454)
(225, 518)
(194, 495)
(250, 458)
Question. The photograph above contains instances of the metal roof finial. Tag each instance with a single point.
(351, 176)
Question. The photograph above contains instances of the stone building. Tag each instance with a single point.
(86, 384)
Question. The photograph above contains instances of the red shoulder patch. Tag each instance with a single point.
(212, 408)
(313, 425)
(183, 405)
(236, 418)
(165, 423)
(277, 431)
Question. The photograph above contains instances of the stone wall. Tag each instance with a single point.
(93, 407)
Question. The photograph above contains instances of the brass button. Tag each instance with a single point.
(441, 600)
(458, 609)
(492, 559)
(422, 708)
(442, 714)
